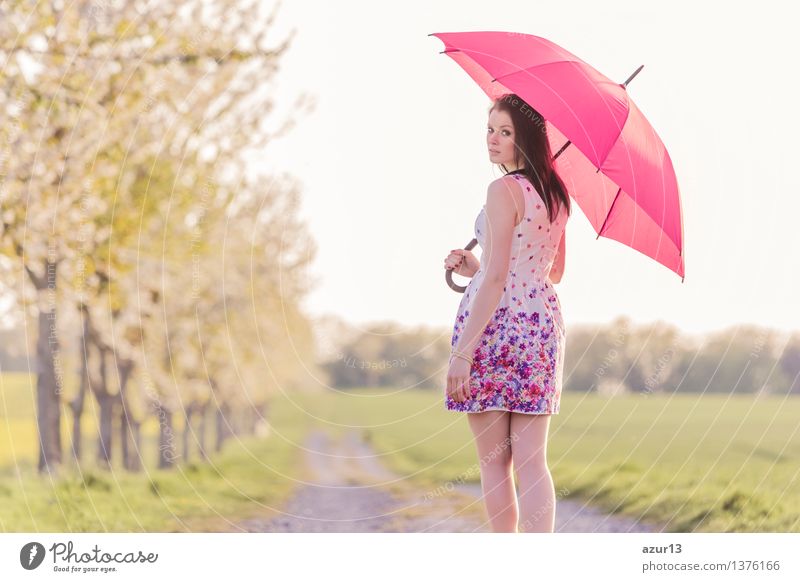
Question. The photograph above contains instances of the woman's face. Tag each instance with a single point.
(500, 138)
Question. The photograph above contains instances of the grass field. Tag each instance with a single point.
(696, 463)
(247, 477)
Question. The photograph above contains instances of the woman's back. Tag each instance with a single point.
(518, 363)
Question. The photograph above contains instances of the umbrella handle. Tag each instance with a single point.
(448, 273)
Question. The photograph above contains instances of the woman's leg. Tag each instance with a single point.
(497, 477)
(537, 495)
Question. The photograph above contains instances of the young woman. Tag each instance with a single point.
(508, 339)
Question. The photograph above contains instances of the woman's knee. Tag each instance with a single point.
(530, 461)
(501, 461)
(530, 457)
(497, 454)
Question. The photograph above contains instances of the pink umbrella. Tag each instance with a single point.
(619, 171)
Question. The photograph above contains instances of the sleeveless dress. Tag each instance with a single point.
(519, 360)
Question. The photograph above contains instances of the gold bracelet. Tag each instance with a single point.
(463, 356)
(462, 352)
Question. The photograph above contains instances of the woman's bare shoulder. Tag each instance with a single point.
(507, 190)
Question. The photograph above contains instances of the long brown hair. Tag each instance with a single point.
(532, 149)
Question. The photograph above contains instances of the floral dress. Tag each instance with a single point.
(519, 360)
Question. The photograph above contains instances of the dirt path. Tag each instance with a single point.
(351, 491)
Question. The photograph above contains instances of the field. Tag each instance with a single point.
(695, 463)
(248, 477)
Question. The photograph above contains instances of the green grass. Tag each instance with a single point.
(248, 477)
(695, 463)
(243, 479)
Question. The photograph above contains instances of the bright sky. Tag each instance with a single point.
(394, 164)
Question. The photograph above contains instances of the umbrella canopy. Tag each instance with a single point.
(611, 159)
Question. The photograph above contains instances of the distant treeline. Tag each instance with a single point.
(617, 357)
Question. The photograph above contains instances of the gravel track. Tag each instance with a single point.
(351, 491)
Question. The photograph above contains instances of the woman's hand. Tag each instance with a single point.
(458, 379)
(462, 262)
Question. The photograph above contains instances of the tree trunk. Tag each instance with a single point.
(132, 459)
(187, 428)
(105, 401)
(48, 381)
(128, 425)
(223, 430)
(201, 432)
(136, 459)
(166, 441)
(76, 405)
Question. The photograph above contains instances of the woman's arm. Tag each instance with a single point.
(557, 270)
(495, 260)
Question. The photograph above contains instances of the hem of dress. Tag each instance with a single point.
(504, 410)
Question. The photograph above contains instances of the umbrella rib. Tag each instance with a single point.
(623, 85)
(627, 115)
(533, 67)
(565, 146)
(600, 165)
(610, 210)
